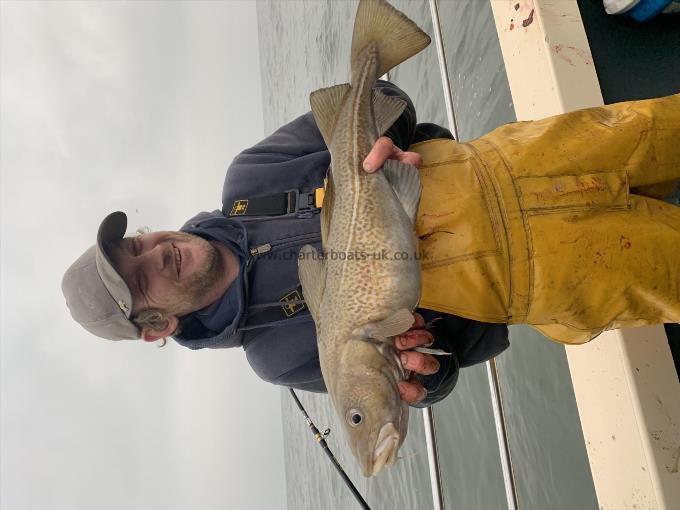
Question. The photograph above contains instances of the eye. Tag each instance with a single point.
(355, 417)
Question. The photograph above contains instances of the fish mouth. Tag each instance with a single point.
(385, 452)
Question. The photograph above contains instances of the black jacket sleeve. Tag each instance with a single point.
(469, 342)
(301, 136)
(295, 155)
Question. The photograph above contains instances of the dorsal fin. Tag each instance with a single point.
(405, 180)
(386, 110)
(326, 104)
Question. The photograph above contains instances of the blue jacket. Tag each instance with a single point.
(280, 340)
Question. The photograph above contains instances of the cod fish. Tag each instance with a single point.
(363, 289)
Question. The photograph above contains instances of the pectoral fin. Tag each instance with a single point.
(393, 325)
(312, 274)
(405, 180)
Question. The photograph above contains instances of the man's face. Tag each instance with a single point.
(174, 272)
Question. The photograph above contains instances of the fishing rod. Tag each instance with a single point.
(320, 438)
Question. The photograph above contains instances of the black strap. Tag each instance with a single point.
(293, 304)
(271, 205)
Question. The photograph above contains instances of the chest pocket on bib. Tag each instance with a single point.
(457, 217)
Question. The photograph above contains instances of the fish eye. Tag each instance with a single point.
(355, 417)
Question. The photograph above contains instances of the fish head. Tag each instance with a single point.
(367, 400)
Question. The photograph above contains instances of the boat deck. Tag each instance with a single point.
(633, 60)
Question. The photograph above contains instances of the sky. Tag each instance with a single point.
(140, 107)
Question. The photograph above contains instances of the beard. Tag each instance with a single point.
(201, 282)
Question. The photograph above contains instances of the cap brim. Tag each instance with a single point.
(113, 229)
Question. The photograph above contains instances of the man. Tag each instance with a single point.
(554, 223)
(229, 278)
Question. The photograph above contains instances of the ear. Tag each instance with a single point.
(151, 335)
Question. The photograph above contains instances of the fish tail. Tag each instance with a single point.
(395, 37)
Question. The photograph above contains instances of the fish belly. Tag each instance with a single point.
(372, 267)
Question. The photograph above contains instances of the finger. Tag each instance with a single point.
(419, 321)
(413, 338)
(412, 158)
(411, 392)
(424, 364)
(382, 150)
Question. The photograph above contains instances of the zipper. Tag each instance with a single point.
(294, 241)
(256, 252)
(281, 244)
(259, 250)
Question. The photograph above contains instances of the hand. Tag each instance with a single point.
(384, 149)
(412, 391)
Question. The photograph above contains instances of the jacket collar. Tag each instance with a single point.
(194, 333)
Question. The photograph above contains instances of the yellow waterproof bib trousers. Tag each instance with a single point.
(551, 223)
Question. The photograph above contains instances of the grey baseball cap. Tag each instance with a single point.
(97, 296)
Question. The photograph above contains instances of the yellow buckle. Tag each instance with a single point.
(318, 196)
